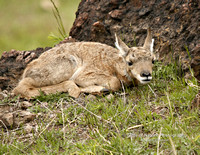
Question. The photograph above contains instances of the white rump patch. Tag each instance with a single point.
(151, 46)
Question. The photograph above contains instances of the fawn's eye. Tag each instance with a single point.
(130, 63)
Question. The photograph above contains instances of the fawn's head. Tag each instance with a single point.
(139, 60)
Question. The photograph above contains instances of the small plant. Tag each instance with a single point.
(61, 28)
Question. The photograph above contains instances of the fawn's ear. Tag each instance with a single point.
(149, 42)
(121, 46)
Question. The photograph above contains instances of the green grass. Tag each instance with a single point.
(25, 25)
(149, 119)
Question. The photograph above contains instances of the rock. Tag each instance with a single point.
(117, 14)
(14, 118)
(7, 119)
(82, 19)
(110, 97)
(3, 95)
(12, 64)
(21, 117)
(144, 11)
(4, 82)
(5, 109)
(91, 97)
(28, 128)
(25, 104)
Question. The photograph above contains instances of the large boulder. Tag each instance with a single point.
(13, 63)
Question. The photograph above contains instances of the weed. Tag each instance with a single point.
(59, 21)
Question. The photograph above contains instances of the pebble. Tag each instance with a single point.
(25, 104)
(28, 128)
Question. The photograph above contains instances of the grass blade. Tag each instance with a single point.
(159, 141)
(173, 146)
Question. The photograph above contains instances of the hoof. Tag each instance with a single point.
(104, 90)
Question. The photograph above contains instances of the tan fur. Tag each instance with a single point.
(88, 67)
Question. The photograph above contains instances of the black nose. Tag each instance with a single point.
(145, 74)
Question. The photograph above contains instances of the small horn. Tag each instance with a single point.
(148, 44)
(123, 48)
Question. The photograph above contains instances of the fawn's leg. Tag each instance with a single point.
(99, 85)
(66, 86)
(27, 89)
